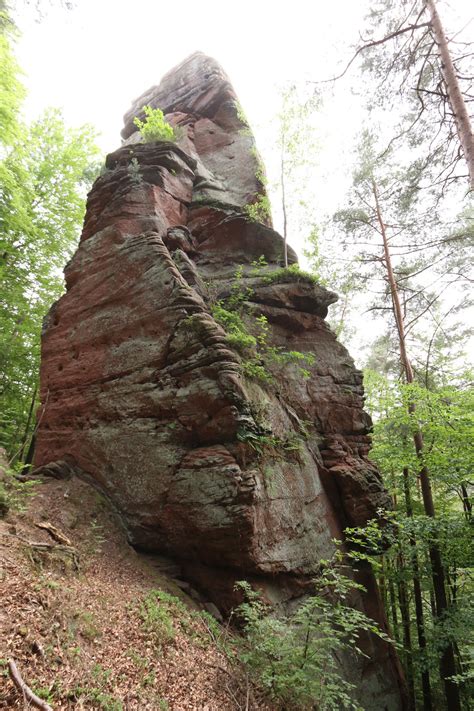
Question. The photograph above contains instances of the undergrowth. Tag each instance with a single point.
(14, 494)
(294, 658)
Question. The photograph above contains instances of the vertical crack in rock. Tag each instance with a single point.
(144, 396)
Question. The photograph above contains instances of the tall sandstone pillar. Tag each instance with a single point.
(145, 396)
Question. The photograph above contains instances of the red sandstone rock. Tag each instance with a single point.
(143, 396)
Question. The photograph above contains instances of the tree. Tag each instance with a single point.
(390, 222)
(297, 147)
(428, 77)
(45, 170)
(446, 413)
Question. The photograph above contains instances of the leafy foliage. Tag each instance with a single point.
(158, 612)
(290, 274)
(445, 414)
(259, 210)
(250, 334)
(294, 657)
(45, 170)
(154, 127)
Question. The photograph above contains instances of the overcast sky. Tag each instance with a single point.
(93, 60)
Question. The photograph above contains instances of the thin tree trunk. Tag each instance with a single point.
(406, 628)
(420, 623)
(283, 205)
(448, 663)
(466, 502)
(455, 97)
(29, 454)
(382, 584)
(24, 439)
(393, 608)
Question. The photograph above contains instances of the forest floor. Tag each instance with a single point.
(91, 624)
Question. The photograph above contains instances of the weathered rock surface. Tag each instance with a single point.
(144, 396)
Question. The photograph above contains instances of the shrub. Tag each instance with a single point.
(133, 170)
(154, 127)
(294, 658)
(236, 331)
(260, 210)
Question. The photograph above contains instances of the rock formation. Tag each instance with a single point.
(147, 396)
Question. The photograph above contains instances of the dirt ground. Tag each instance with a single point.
(91, 624)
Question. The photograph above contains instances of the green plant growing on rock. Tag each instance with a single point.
(263, 442)
(134, 172)
(154, 127)
(237, 334)
(242, 117)
(260, 210)
(250, 334)
(258, 265)
(290, 274)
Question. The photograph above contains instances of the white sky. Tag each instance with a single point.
(92, 61)
(95, 59)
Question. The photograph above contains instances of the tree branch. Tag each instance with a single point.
(25, 689)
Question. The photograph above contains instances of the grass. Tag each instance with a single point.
(286, 275)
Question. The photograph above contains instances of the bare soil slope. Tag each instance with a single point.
(92, 624)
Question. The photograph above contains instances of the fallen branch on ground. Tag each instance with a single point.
(54, 532)
(25, 689)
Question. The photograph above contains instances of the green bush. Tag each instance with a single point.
(260, 210)
(154, 127)
(236, 331)
(294, 658)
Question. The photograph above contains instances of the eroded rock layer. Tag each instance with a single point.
(145, 395)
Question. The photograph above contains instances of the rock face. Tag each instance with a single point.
(145, 395)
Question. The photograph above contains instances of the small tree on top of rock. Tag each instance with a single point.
(154, 127)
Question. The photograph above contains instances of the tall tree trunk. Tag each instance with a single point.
(393, 609)
(454, 93)
(466, 502)
(29, 455)
(420, 623)
(406, 627)
(24, 439)
(448, 663)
